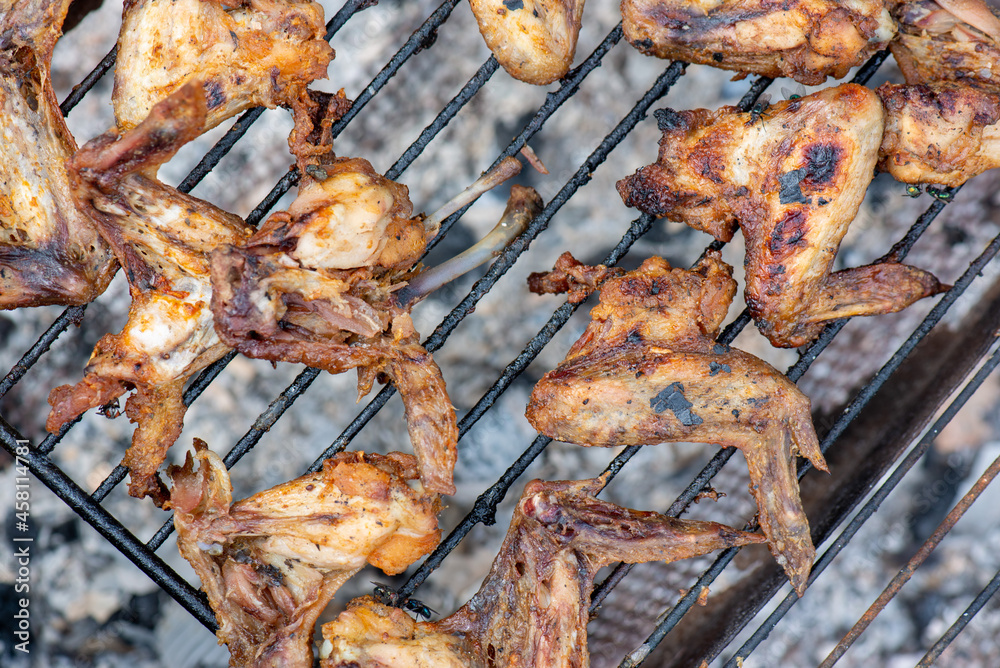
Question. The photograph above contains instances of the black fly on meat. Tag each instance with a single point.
(386, 595)
(759, 110)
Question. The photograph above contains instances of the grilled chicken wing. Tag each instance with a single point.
(246, 54)
(942, 134)
(534, 40)
(647, 370)
(949, 40)
(270, 563)
(330, 283)
(807, 40)
(792, 177)
(50, 251)
(162, 238)
(532, 608)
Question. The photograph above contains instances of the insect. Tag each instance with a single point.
(110, 410)
(794, 93)
(386, 595)
(759, 110)
(945, 195)
(913, 191)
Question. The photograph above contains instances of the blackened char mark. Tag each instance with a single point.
(789, 231)
(715, 367)
(790, 191)
(672, 398)
(822, 163)
(649, 191)
(667, 119)
(215, 94)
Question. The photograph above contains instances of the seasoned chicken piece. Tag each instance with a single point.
(949, 40)
(270, 563)
(534, 40)
(807, 40)
(532, 608)
(162, 238)
(246, 53)
(792, 177)
(330, 283)
(50, 251)
(942, 134)
(648, 370)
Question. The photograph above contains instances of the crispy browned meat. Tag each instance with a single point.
(573, 277)
(807, 40)
(647, 370)
(534, 40)
(330, 283)
(949, 40)
(532, 608)
(792, 178)
(50, 251)
(270, 563)
(943, 134)
(162, 238)
(246, 54)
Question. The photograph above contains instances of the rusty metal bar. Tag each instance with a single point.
(906, 572)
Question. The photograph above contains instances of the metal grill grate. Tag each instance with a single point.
(716, 634)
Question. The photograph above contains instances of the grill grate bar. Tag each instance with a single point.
(486, 70)
(71, 316)
(513, 251)
(855, 406)
(925, 550)
(867, 511)
(109, 527)
(82, 88)
(977, 604)
(484, 510)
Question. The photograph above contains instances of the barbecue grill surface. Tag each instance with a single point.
(434, 111)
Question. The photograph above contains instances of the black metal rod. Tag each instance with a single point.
(860, 400)
(513, 251)
(963, 620)
(863, 515)
(110, 528)
(71, 316)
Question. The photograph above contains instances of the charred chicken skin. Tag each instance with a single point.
(532, 608)
(162, 238)
(246, 53)
(942, 134)
(648, 370)
(792, 178)
(270, 563)
(534, 40)
(330, 283)
(807, 40)
(50, 251)
(949, 40)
